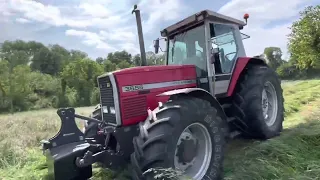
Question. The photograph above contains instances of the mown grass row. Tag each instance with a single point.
(299, 94)
(293, 155)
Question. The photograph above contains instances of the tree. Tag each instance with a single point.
(273, 56)
(47, 62)
(99, 60)
(109, 66)
(136, 60)
(304, 40)
(25, 50)
(33, 47)
(4, 83)
(82, 76)
(155, 59)
(61, 53)
(10, 46)
(119, 56)
(15, 52)
(161, 59)
(13, 86)
(287, 71)
(77, 55)
(124, 64)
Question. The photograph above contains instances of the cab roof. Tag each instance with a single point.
(196, 19)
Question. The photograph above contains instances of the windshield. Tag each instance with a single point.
(223, 39)
(189, 48)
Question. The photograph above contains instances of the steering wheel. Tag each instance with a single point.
(228, 63)
(225, 56)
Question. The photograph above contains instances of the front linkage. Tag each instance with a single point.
(70, 154)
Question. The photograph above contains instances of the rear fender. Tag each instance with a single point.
(241, 64)
(197, 93)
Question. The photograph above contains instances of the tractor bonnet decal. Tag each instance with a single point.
(157, 85)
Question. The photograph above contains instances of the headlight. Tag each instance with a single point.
(112, 110)
(105, 109)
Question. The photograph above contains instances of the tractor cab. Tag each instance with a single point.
(209, 40)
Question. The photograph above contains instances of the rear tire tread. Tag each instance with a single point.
(247, 100)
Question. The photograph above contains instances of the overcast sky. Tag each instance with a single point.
(101, 26)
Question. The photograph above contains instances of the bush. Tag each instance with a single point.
(43, 103)
(287, 71)
(44, 84)
(95, 96)
(71, 95)
(4, 104)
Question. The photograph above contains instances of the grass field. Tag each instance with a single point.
(293, 155)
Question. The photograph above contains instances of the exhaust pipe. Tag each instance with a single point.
(140, 34)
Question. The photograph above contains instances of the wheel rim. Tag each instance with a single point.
(198, 166)
(269, 103)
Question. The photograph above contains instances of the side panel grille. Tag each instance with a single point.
(134, 107)
(107, 101)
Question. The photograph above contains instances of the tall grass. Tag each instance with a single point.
(20, 136)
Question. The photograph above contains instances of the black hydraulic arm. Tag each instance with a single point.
(87, 118)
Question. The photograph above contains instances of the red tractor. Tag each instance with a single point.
(179, 115)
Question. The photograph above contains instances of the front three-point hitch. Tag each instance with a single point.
(70, 155)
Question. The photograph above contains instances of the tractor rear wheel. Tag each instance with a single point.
(186, 138)
(258, 102)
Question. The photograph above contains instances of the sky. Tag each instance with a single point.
(98, 27)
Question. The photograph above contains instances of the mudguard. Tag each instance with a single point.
(63, 149)
(198, 93)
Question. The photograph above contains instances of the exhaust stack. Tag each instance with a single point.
(140, 34)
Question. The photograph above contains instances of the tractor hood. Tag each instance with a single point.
(137, 88)
(152, 68)
(154, 78)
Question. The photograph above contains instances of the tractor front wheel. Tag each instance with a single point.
(185, 138)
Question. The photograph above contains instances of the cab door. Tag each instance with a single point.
(227, 45)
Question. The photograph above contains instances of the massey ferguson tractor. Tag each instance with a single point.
(176, 116)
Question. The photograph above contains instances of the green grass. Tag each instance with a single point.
(293, 155)
(20, 136)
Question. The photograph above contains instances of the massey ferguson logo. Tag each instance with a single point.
(132, 88)
(156, 85)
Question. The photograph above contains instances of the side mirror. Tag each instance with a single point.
(156, 46)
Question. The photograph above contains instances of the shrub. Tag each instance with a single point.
(287, 71)
(95, 96)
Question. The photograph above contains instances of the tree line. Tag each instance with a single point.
(303, 46)
(34, 76)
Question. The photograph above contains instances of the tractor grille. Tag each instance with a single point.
(107, 101)
(134, 107)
